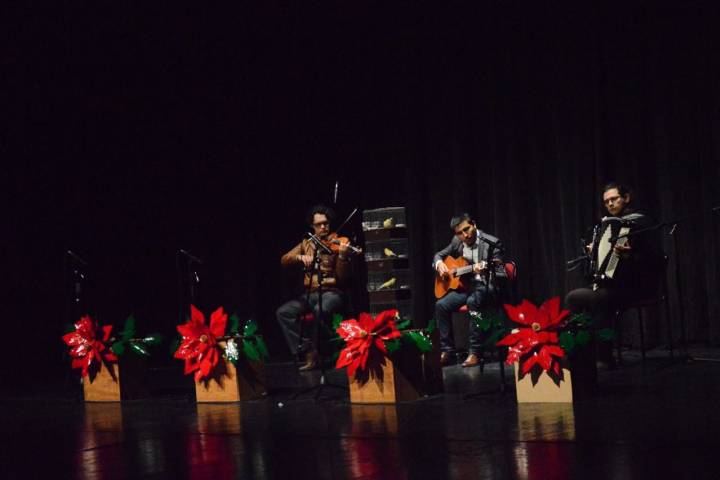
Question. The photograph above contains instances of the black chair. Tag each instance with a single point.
(508, 294)
(660, 296)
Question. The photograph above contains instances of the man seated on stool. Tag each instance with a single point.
(467, 243)
(336, 273)
(637, 275)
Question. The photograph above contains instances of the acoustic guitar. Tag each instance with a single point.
(458, 267)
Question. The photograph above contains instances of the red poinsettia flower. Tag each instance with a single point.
(538, 342)
(199, 347)
(362, 336)
(86, 348)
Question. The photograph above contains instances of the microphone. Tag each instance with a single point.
(77, 258)
(492, 241)
(189, 256)
(336, 192)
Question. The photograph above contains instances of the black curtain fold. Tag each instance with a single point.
(149, 129)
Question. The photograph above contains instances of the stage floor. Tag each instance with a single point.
(660, 421)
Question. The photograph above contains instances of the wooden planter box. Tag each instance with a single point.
(232, 384)
(406, 377)
(579, 380)
(126, 381)
(544, 390)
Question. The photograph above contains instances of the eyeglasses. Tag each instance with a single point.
(320, 224)
(466, 230)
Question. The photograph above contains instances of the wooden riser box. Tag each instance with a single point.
(127, 381)
(233, 384)
(544, 390)
(407, 376)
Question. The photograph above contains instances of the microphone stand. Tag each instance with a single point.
(686, 357)
(490, 280)
(712, 210)
(188, 282)
(77, 276)
(315, 269)
(76, 265)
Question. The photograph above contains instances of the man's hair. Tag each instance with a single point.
(458, 219)
(323, 210)
(623, 189)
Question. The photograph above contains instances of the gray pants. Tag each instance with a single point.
(288, 315)
(448, 304)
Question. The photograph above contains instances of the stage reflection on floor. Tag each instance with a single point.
(642, 423)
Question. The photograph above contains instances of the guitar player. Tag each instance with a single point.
(469, 245)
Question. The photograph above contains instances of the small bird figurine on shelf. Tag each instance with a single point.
(389, 284)
(389, 253)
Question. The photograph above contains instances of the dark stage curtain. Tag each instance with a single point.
(135, 132)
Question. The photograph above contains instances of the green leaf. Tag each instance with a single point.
(336, 320)
(250, 351)
(582, 338)
(175, 344)
(432, 325)
(234, 324)
(118, 348)
(496, 336)
(153, 339)
(68, 328)
(403, 324)
(482, 321)
(250, 328)
(421, 341)
(129, 328)
(567, 341)
(262, 347)
(393, 345)
(606, 334)
(580, 319)
(497, 321)
(139, 349)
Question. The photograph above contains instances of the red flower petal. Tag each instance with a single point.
(106, 332)
(196, 316)
(73, 339)
(529, 363)
(544, 359)
(552, 313)
(524, 313)
(218, 320)
(350, 329)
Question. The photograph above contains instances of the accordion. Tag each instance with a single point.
(605, 260)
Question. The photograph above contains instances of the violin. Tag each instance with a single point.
(333, 242)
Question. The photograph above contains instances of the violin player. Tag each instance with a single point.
(333, 261)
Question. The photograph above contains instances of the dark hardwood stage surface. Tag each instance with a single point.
(660, 421)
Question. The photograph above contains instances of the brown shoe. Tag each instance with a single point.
(312, 361)
(444, 358)
(471, 361)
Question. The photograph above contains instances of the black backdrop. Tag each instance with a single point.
(134, 131)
